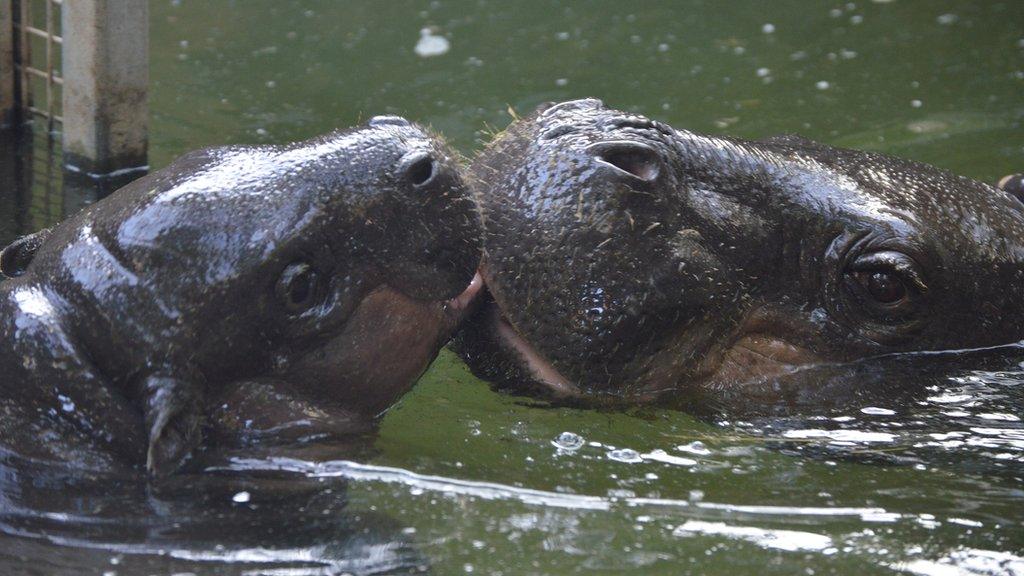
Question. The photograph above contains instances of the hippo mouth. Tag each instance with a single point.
(457, 308)
(536, 365)
(751, 355)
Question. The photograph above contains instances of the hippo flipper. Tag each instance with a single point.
(174, 422)
(16, 257)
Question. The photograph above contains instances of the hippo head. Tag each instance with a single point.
(627, 258)
(333, 265)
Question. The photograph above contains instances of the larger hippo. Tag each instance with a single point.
(322, 274)
(626, 258)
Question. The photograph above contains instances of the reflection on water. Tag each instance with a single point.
(35, 191)
(231, 524)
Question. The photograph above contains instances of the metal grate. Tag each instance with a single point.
(37, 72)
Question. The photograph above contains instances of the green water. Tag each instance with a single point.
(473, 477)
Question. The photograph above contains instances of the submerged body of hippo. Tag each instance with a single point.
(625, 258)
(305, 285)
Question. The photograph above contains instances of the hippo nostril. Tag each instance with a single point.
(419, 169)
(633, 158)
(388, 120)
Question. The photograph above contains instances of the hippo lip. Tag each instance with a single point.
(539, 367)
(458, 307)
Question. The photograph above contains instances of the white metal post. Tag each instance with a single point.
(106, 75)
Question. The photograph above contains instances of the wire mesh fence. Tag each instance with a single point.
(38, 52)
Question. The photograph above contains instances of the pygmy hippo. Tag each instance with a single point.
(324, 274)
(627, 258)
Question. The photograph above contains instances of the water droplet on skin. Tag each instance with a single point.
(66, 404)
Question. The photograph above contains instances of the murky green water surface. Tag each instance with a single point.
(464, 480)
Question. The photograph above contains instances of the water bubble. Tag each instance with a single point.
(562, 36)
(627, 455)
(916, 103)
(561, 81)
(947, 19)
(695, 447)
(663, 457)
(568, 441)
(430, 44)
(856, 19)
(877, 411)
(762, 72)
(822, 85)
(241, 497)
(768, 28)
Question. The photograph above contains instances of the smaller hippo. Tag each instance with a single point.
(324, 273)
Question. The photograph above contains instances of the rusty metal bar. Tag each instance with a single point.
(49, 66)
(40, 74)
(39, 33)
(8, 72)
(24, 56)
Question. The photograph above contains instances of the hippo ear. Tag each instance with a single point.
(581, 104)
(1013, 185)
(15, 258)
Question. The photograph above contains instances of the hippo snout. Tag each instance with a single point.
(440, 246)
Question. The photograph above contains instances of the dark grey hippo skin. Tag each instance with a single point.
(296, 285)
(627, 258)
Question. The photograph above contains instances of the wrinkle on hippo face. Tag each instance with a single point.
(625, 257)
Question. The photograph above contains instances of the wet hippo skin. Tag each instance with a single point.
(628, 259)
(321, 274)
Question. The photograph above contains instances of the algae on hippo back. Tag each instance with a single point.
(271, 268)
(625, 258)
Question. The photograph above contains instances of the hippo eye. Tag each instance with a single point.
(299, 287)
(884, 287)
(888, 278)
